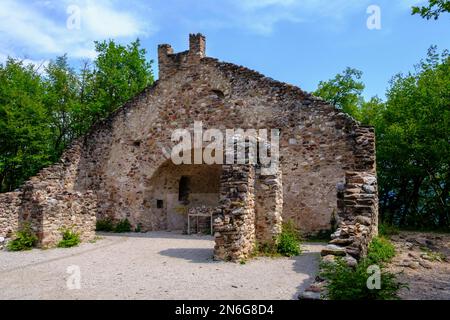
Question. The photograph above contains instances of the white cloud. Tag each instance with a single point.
(39, 28)
(262, 16)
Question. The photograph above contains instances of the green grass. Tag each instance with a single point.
(380, 250)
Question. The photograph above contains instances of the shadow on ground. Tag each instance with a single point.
(308, 264)
(194, 255)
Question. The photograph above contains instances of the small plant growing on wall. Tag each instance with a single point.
(70, 239)
(25, 239)
(123, 226)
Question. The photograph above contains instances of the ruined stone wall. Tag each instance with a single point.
(317, 146)
(357, 216)
(235, 234)
(119, 160)
(49, 203)
(9, 213)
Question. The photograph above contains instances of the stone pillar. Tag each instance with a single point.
(234, 229)
(269, 208)
(165, 63)
(197, 47)
(357, 201)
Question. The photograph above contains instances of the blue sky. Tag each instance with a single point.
(295, 41)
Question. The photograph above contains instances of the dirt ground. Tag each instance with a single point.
(156, 265)
(423, 263)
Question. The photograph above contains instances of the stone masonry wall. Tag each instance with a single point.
(268, 207)
(235, 227)
(49, 203)
(357, 202)
(120, 157)
(9, 213)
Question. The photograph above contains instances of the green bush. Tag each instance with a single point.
(347, 283)
(25, 239)
(106, 225)
(380, 250)
(123, 226)
(70, 239)
(289, 241)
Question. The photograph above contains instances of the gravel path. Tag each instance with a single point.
(156, 265)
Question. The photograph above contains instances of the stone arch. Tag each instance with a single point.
(165, 209)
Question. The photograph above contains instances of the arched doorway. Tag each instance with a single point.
(174, 189)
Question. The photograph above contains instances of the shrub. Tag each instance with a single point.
(380, 251)
(70, 239)
(25, 239)
(346, 283)
(123, 226)
(106, 225)
(289, 241)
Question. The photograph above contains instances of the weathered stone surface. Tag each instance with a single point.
(333, 250)
(309, 295)
(120, 169)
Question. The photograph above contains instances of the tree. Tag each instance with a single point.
(61, 100)
(413, 148)
(41, 114)
(120, 73)
(343, 91)
(433, 10)
(24, 128)
(370, 112)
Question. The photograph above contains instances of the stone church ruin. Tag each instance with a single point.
(325, 181)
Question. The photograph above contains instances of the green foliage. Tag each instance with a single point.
(347, 283)
(343, 91)
(120, 73)
(123, 226)
(24, 128)
(433, 10)
(106, 225)
(387, 230)
(70, 239)
(380, 250)
(412, 133)
(289, 241)
(42, 110)
(413, 147)
(25, 239)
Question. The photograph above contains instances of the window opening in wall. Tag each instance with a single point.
(183, 191)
